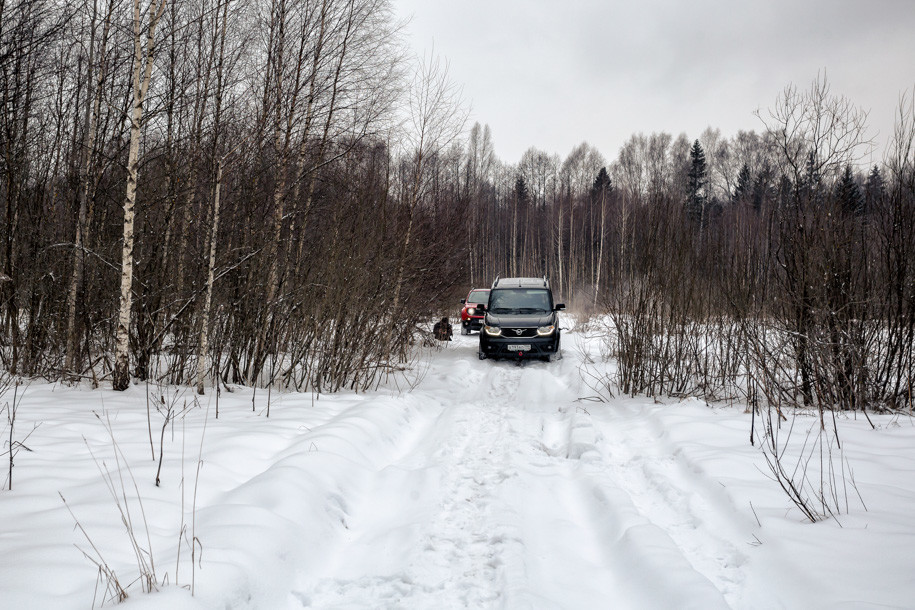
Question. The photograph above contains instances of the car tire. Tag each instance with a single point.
(464, 330)
(481, 355)
(557, 355)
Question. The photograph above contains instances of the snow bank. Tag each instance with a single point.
(488, 485)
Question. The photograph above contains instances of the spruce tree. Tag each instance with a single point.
(600, 192)
(874, 190)
(849, 195)
(762, 188)
(811, 180)
(602, 184)
(521, 192)
(742, 190)
(696, 184)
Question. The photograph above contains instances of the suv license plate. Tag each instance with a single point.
(520, 348)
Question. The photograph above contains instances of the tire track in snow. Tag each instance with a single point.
(667, 489)
(445, 475)
(472, 536)
(377, 517)
(507, 496)
(615, 556)
(608, 554)
(467, 539)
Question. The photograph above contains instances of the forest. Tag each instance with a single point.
(274, 193)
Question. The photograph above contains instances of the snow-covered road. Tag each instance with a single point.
(484, 485)
(507, 493)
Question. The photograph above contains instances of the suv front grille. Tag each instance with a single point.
(511, 333)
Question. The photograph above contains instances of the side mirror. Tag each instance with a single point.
(560, 307)
(463, 301)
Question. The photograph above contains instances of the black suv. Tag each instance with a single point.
(520, 320)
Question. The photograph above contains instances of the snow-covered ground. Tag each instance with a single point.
(484, 485)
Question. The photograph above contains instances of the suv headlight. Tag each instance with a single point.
(471, 311)
(493, 331)
(544, 331)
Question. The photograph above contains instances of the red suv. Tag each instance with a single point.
(471, 316)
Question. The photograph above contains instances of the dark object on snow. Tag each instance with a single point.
(442, 330)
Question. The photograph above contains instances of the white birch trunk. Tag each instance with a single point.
(600, 248)
(559, 251)
(142, 72)
(207, 304)
(86, 161)
(514, 238)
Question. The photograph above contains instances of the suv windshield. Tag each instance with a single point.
(478, 296)
(519, 301)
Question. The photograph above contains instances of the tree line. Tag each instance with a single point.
(215, 190)
(770, 268)
(273, 192)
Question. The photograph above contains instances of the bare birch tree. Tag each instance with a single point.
(327, 81)
(96, 74)
(815, 131)
(436, 118)
(223, 64)
(144, 56)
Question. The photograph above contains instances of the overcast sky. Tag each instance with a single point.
(554, 73)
